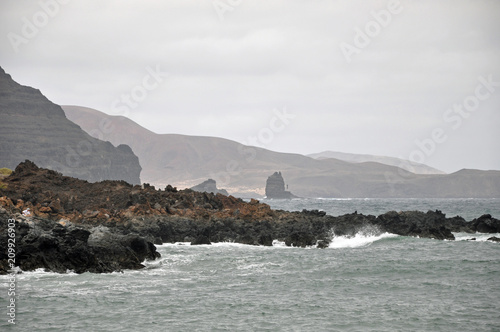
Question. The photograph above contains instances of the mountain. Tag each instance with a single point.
(34, 128)
(361, 158)
(185, 161)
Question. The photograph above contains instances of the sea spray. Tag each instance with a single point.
(358, 240)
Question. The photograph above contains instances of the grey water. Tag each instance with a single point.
(363, 283)
(467, 208)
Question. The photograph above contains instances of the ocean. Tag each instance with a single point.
(363, 283)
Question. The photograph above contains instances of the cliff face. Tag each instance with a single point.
(32, 127)
(275, 187)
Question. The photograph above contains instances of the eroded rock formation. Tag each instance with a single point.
(275, 187)
(209, 186)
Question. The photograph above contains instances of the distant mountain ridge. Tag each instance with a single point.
(185, 161)
(34, 128)
(362, 158)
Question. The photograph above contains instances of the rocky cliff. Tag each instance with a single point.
(32, 127)
(275, 187)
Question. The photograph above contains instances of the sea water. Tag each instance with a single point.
(362, 283)
(467, 208)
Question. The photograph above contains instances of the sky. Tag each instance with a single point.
(418, 80)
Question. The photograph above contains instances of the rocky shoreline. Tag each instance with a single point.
(111, 225)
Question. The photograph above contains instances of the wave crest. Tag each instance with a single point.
(358, 240)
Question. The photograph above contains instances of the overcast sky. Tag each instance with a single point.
(417, 80)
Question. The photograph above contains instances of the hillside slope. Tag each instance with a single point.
(185, 161)
(32, 127)
(362, 158)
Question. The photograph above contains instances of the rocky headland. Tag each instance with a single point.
(71, 224)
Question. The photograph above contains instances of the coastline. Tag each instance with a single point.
(111, 225)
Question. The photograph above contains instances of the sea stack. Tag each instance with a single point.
(275, 187)
(210, 186)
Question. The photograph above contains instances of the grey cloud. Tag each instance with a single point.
(227, 76)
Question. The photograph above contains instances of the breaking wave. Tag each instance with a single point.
(358, 240)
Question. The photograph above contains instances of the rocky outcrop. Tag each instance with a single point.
(60, 247)
(275, 187)
(486, 224)
(112, 225)
(210, 186)
(32, 127)
(415, 223)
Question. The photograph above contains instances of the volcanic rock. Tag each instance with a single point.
(486, 224)
(416, 223)
(53, 247)
(111, 225)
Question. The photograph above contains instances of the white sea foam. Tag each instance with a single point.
(333, 199)
(39, 273)
(230, 245)
(42, 272)
(359, 240)
(167, 244)
(479, 237)
(214, 244)
(279, 244)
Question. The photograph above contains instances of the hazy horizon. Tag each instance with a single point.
(413, 80)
